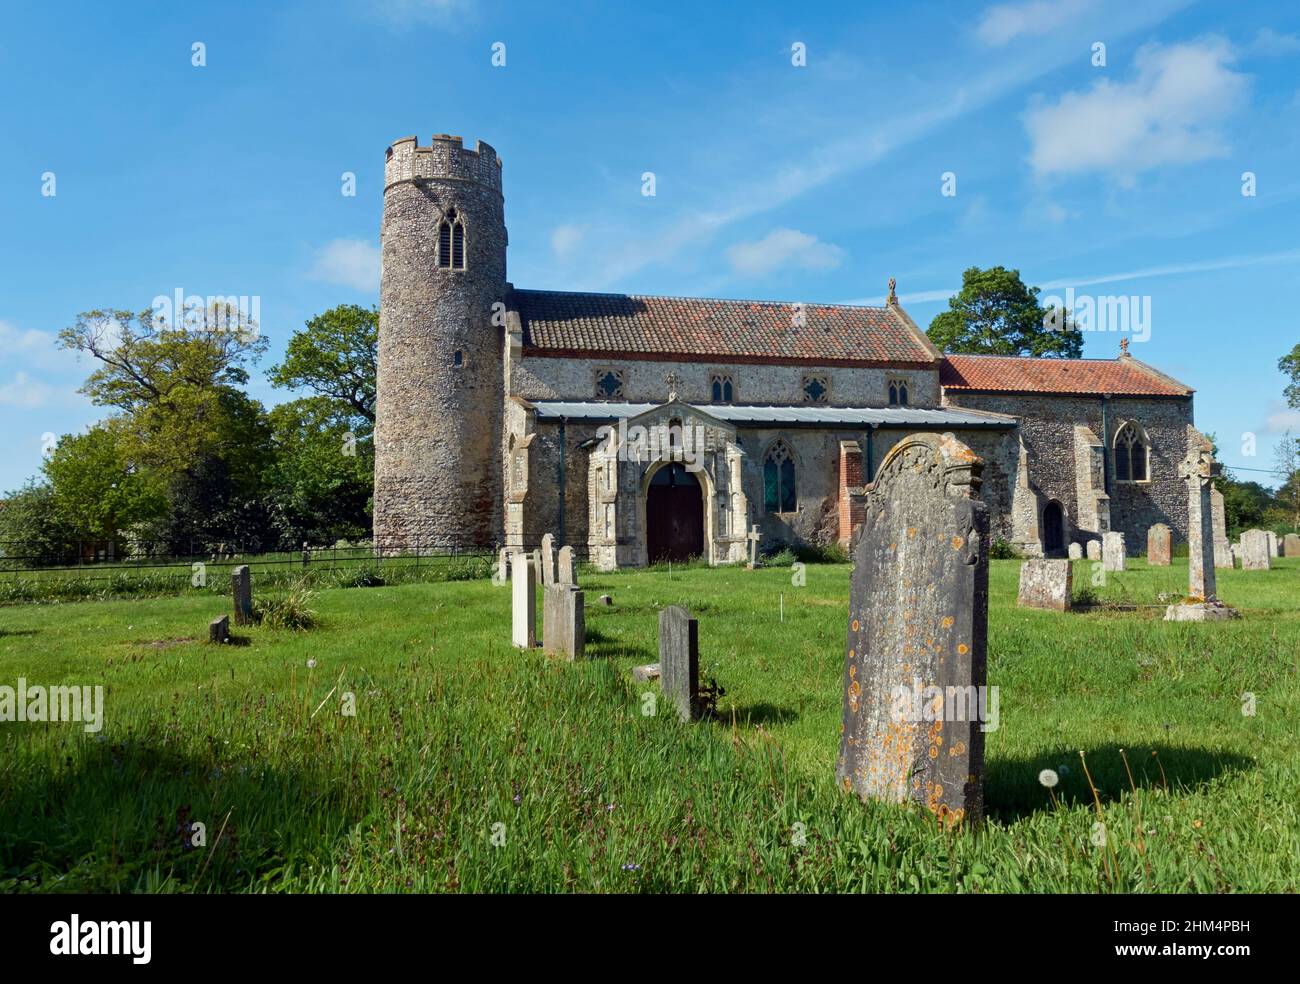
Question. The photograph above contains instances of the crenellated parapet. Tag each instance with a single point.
(445, 159)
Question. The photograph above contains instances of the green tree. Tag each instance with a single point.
(335, 356)
(994, 313)
(98, 491)
(32, 531)
(1290, 365)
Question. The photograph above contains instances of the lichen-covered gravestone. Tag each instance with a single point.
(1158, 546)
(564, 622)
(523, 602)
(1274, 548)
(1046, 584)
(241, 583)
(1094, 550)
(1076, 551)
(1291, 545)
(1201, 604)
(1112, 551)
(1219, 522)
(679, 661)
(566, 573)
(1254, 551)
(914, 670)
(548, 560)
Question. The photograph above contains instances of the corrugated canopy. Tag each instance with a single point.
(805, 416)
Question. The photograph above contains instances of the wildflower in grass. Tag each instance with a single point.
(1048, 778)
(631, 867)
(610, 808)
(311, 664)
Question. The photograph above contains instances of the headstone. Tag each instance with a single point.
(1291, 545)
(1112, 551)
(1094, 550)
(1158, 546)
(564, 629)
(650, 671)
(679, 660)
(219, 629)
(306, 554)
(241, 583)
(606, 600)
(1201, 604)
(1222, 548)
(1254, 551)
(914, 674)
(1076, 551)
(523, 602)
(1235, 549)
(753, 536)
(1046, 584)
(548, 560)
(1274, 549)
(566, 574)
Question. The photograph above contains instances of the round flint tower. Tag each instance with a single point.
(440, 385)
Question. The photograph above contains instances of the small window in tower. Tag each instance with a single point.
(458, 359)
(451, 241)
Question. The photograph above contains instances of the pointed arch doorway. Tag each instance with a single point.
(674, 513)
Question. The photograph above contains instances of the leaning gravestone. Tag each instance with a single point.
(566, 573)
(523, 602)
(1158, 546)
(564, 626)
(1046, 584)
(1112, 551)
(241, 583)
(679, 661)
(1094, 550)
(1076, 551)
(219, 629)
(1254, 551)
(548, 560)
(1291, 545)
(914, 669)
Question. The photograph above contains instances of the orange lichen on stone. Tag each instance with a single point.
(947, 622)
(958, 542)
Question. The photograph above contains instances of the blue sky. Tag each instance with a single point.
(802, 183)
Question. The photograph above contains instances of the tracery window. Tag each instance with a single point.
(778, 479)
(1132, 454)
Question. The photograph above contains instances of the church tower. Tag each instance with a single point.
(440, 376)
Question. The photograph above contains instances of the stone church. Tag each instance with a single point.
(646, 428)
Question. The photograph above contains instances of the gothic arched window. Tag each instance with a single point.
(1132, 453)
(451, 241)
(778, 479)
(898, 392)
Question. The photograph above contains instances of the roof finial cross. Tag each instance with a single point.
(893, 297)
(1123, 346)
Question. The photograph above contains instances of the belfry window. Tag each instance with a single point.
(778, 479)
(1132, 454)
(451, 241)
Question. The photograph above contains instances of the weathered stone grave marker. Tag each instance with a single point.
(1274, 547)
(1159, 546)
(753, 536)
(564, 624)
(1254, 551)
(1112, 551)
(241, 583)
(1291, 545)
(523, 601)
(914, 674)
(1094, 550)
(1222, 547)
(1076, 551)
(219, 629)
(566, 573)
(679, 661)
(548, 560)
(1201, 604)
(1046, 584)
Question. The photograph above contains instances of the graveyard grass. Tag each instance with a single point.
(455, 732)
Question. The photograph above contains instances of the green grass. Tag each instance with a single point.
(455, 732)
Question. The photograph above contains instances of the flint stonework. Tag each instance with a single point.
(241, 583)
(914, 674)
(1046, 584)
(1158, 546)
(679, 661)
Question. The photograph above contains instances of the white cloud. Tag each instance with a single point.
(565, 240)
(412, 13)
(348, 262)
(1006, 21)
(1269, 43)
(38, 349)
(25, 393)
(783, 247)
(1283, 422)
(1170, 113)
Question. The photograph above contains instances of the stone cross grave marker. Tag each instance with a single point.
(1075, 551)
(548, 560)
(566, 574)
(1201, 604)
(523, 602)
(1254, 551)
(914, 673)
(564, 623)
(241, 583)
(1094, 550)
(1112, 551)
(753, 536)
(1046, 584)
(1159, 546)
(679, 661)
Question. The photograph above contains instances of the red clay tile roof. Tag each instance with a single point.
(1009, 374)
(636, 325)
